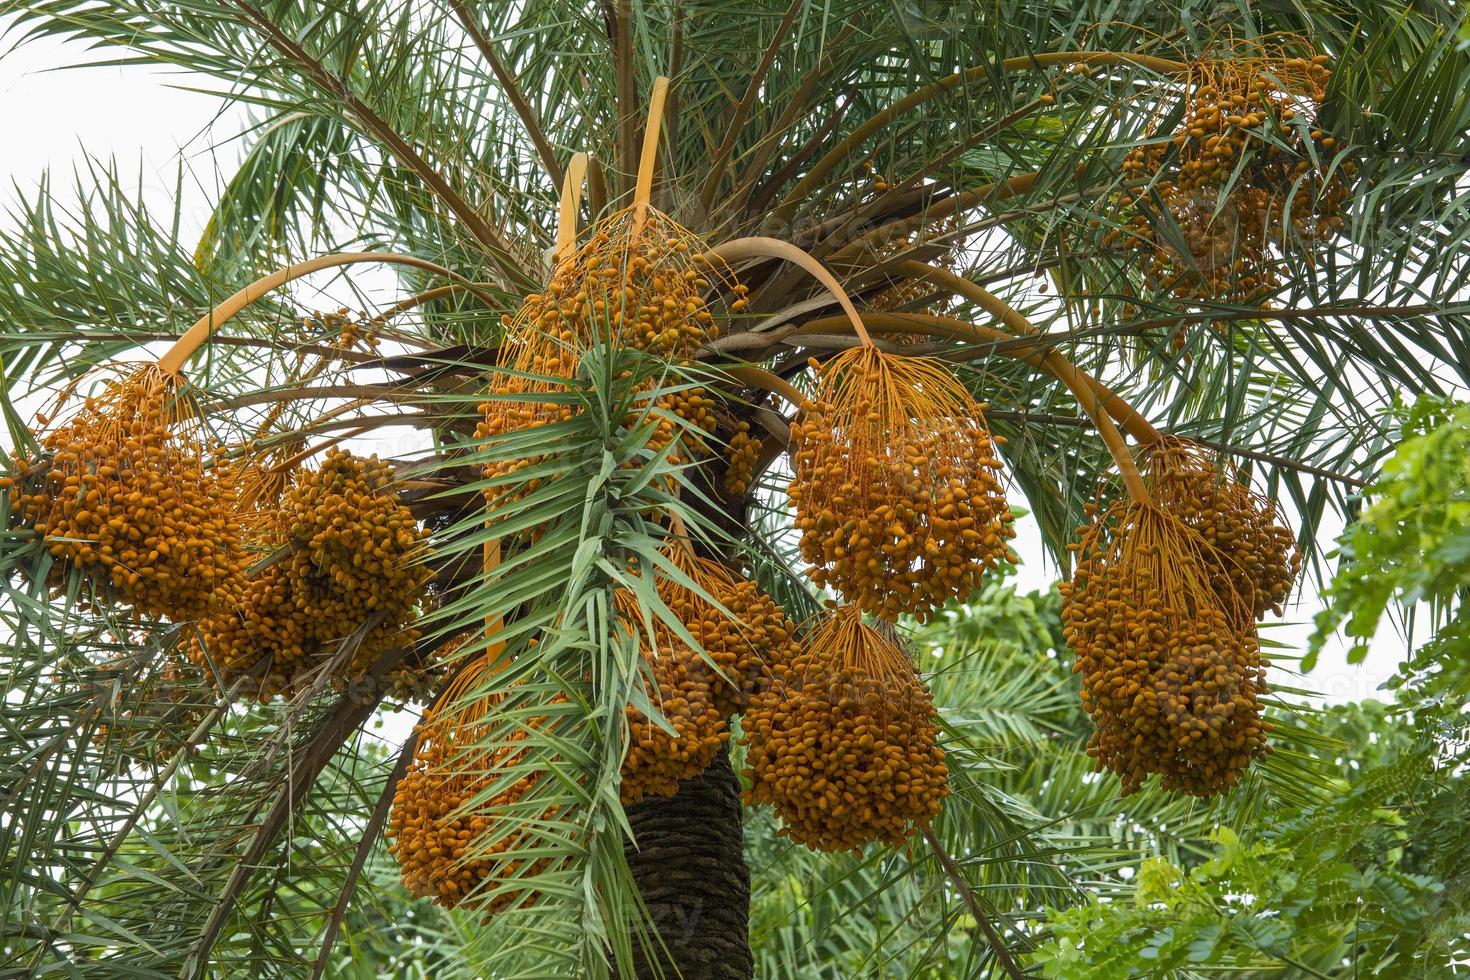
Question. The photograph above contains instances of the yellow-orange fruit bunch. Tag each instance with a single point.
(745, 640)
(122, 492)
(896, 485)
(344, 585)
(645, 285)
(1238, 178)
(745, 451)
(541, 351)
(697, 691)
(684, 692)
(637, 286)
(356, 551)
(1257, 556)
(843, 742)
(1171, 670)
(457, 811)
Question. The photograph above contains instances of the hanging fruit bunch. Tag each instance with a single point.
(637, 284)
(896, 486)
(657, 759)
(1171, 667)
(456, 811)
(1256, 554)
(122, 491)
(643, 283)
(843, 742)
(740, 642)
(680, 686)
(540, 349)
(343, 582)
(743, 637)
(1247, 175)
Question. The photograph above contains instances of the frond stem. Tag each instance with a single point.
(568, 206)
(757, 247)
(477, 226)
(957, 878)
(721, 158)
(1133, 422)
(765, 148)
(619, 17)
(370, 834)
(648, 160)
(843, 149)
(761, 378)
(512, 90)
(955, 203)
(184, 348)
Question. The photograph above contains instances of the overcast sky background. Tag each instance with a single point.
(148, 124)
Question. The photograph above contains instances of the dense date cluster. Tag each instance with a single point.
(454, 821)
(1246, 175)
(343, 584)
(542, 355)
(698, 690)
(120, 493)
(1256, 556)
(896, 486)
(1171, 670)
(745, 640)
(642, 288)
(843, 743)
(684, 694)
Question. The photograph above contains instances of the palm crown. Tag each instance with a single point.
(672, 270)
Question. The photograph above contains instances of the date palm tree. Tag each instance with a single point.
(983, 182)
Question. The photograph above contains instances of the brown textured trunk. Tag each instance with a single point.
(688, 860)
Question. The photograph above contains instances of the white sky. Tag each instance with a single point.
(136, 115)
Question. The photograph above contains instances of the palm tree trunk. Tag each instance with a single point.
(688, 860)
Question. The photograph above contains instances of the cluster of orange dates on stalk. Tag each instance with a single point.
(276, 595)
(1161, 612)
(1246, 178)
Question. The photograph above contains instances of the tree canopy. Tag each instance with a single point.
(775, 305)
